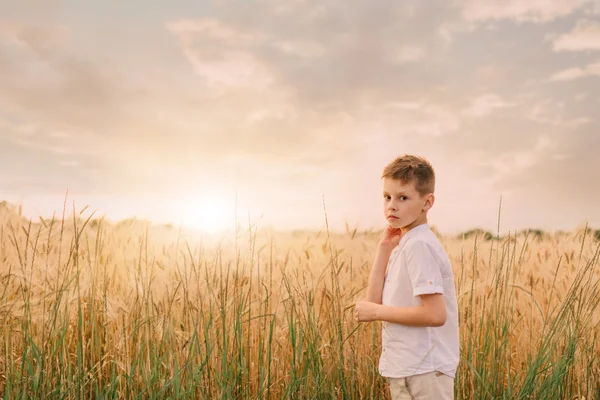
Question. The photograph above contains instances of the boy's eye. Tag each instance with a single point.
(386, 197)
(403, 198)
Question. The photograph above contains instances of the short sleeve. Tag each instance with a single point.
(423, 269)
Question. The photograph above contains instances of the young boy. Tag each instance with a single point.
(411, 289)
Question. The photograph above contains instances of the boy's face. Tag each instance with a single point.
(403, 206)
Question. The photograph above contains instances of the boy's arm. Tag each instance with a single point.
(431, 313)
(427, 283)
(377, 276)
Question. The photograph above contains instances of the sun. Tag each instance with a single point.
(207, 214)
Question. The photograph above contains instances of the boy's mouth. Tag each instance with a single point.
(392, 217)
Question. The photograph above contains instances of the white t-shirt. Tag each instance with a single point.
(419, 265)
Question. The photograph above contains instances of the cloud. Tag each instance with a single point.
(576, 73)
(286, 83)
(68, 163)
(218, 53)
(553, 112)
(31, 7)
(585, 36)
(514, 162)
(302, 48)
(485, 105)
(406, 119)
(405, 54)
(329, 56)
(41, 76)
(436, 121)
(561, 178)
(294, 96)
(537, 11)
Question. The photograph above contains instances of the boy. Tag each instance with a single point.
(411, 289)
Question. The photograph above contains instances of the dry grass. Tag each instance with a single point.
(91, 310)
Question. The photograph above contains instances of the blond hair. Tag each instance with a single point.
(410, 168)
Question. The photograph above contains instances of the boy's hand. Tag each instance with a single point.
(390, 237)
(365, 311)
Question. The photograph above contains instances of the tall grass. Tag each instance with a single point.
(91, 310)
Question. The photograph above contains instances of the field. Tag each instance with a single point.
(92, 310)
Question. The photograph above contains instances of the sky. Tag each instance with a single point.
(284, 114)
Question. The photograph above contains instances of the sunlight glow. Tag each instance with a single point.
(207, 214)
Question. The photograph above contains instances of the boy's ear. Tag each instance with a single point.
(429, 200)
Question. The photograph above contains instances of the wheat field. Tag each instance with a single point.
(91, 309)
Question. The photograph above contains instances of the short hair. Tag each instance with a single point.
(411, 168)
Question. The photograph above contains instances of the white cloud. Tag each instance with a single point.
(406, 105)
(538, 11)
(300, 8)
(409, 118)
(236, 68)
(551, 112)
(277, 111)
(585, 36)
(577, 122)
(39, 37)
(546, 111)
(302, 48)
(68, 163)
(38, 144)
(576, 73)
(437, 121)
(60, 135)
(595, 9)
(449, 28)
(485, 105)
(405, 54)
(509, 163)
(218, 53)
(213, 28)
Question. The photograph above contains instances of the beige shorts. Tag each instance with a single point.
(429, 386)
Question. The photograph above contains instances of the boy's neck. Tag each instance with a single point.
(418, 222)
